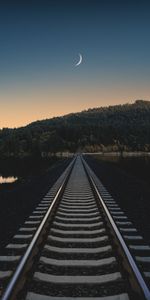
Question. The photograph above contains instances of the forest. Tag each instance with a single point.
(113, 128)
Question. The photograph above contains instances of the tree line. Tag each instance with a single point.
(114, 128)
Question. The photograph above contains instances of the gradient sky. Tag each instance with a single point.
(39, 46)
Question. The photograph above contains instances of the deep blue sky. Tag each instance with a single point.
(39, 46)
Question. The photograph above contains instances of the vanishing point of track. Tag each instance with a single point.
(77, 244)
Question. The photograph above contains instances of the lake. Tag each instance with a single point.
(16, 170)
(12, 170)
(128, 181)
(30, 181)
(138, 166)
(8, 179)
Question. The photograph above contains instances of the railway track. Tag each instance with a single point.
(77, 244)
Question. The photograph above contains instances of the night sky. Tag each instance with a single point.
(39, 46)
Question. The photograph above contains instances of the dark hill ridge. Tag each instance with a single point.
(119, 127)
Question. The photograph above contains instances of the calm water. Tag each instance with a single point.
(128, 181)
(8, 179)
(13, 170)
(137, 166)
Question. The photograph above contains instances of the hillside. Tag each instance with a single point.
(119, 127)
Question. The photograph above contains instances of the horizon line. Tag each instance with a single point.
(75, 112)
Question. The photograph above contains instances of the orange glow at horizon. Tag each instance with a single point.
(21, 108)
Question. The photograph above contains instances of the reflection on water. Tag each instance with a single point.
(8, 179)
(18, 170)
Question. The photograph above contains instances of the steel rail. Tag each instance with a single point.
(138, 276)
(14, 285)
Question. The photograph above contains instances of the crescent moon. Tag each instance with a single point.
(80, 60)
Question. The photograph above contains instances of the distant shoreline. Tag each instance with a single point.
(121, 154)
